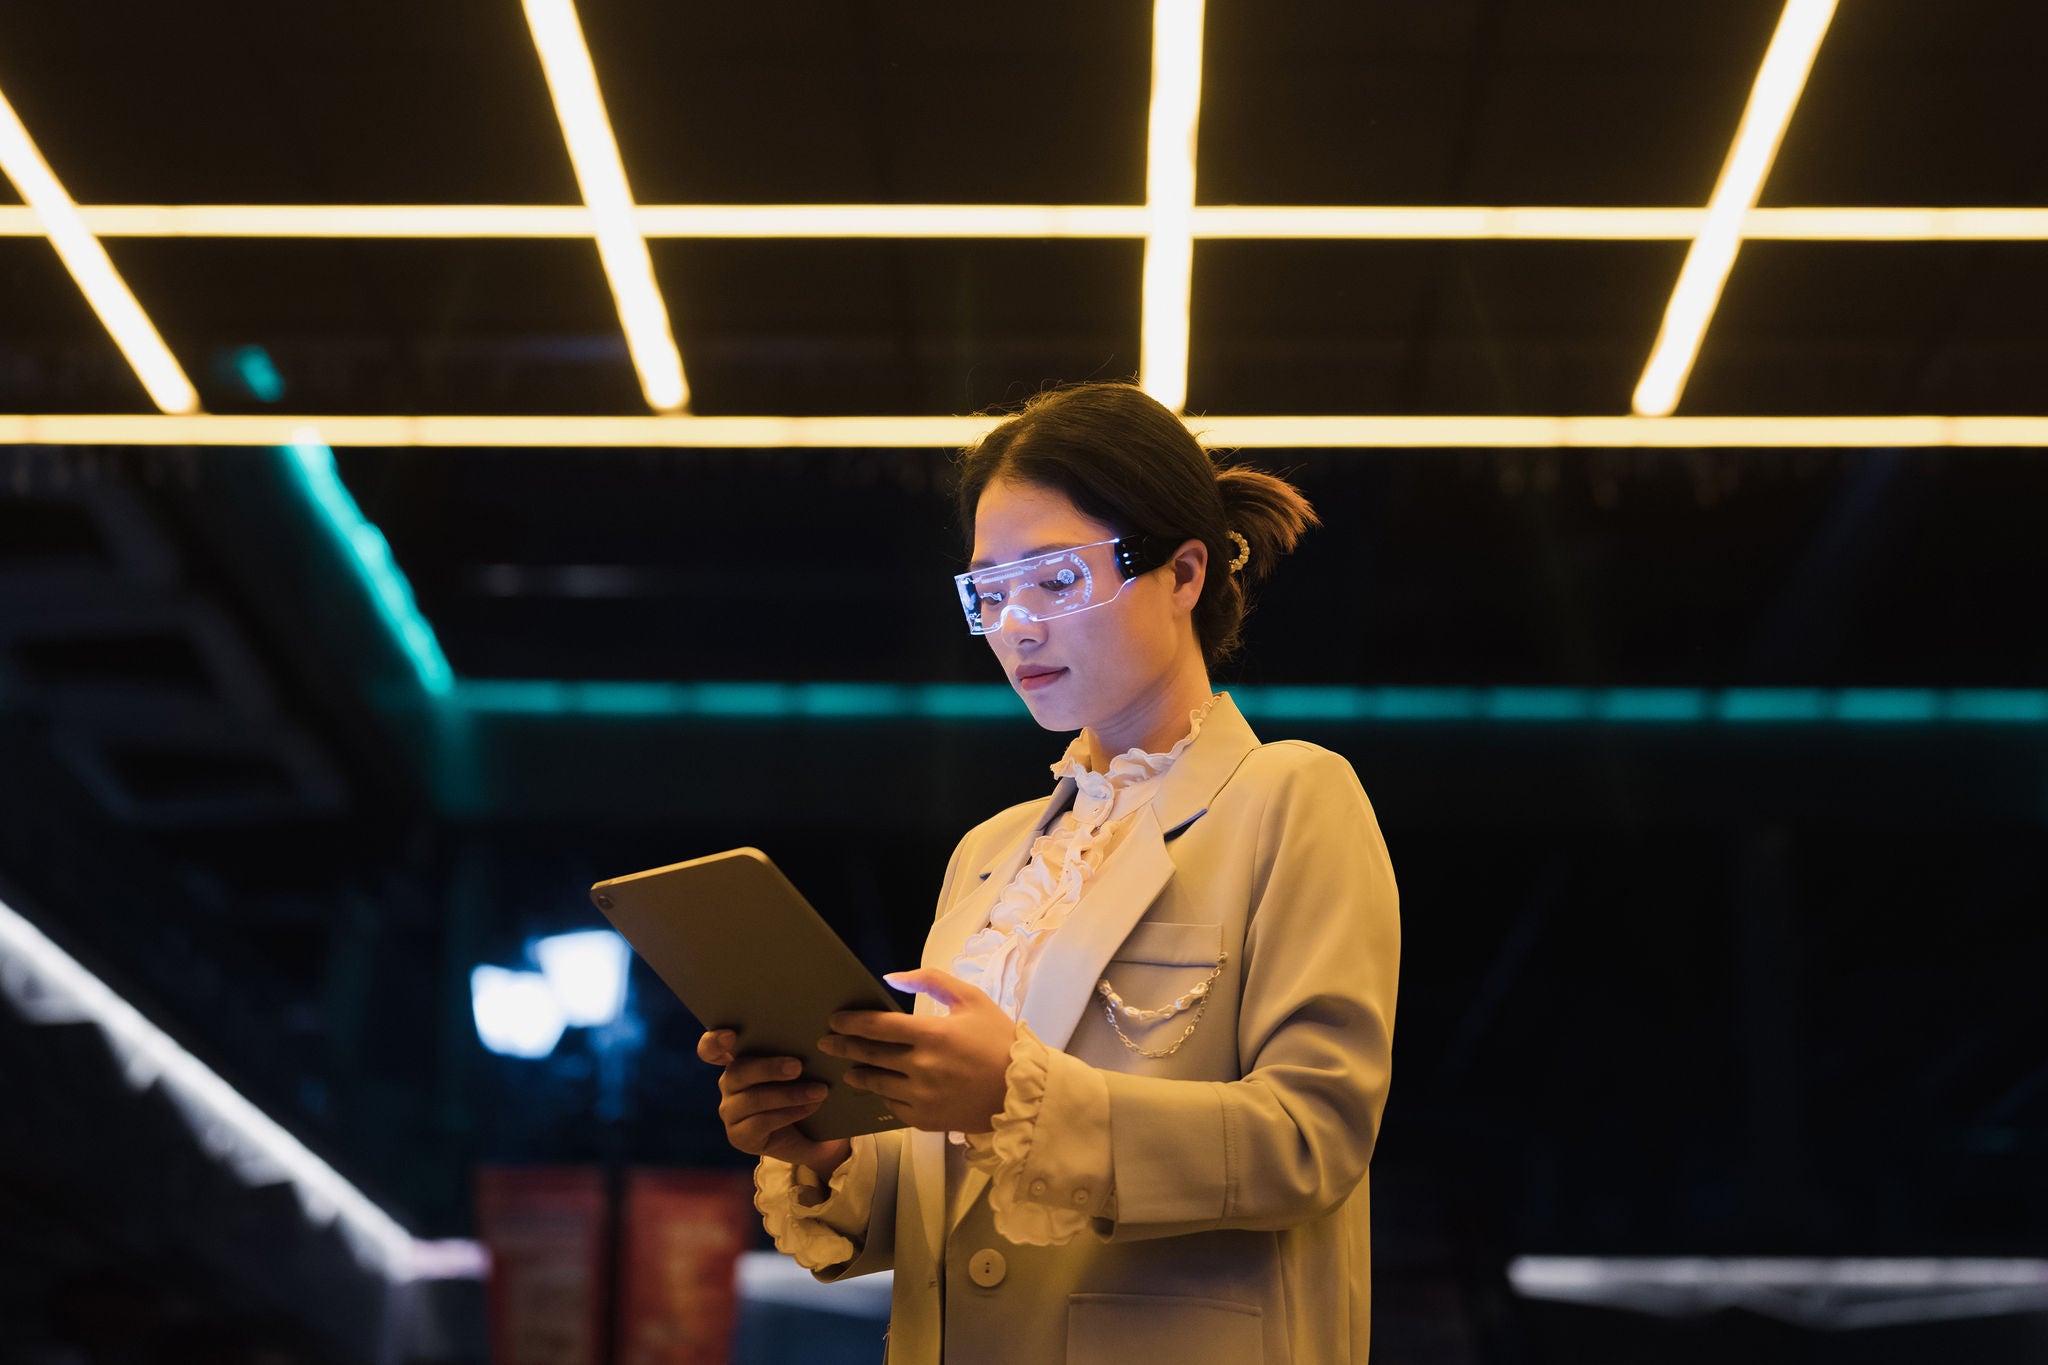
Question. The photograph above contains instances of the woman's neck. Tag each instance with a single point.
(1154, 724)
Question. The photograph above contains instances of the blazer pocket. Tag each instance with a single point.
(1168, 944)
(1160, 977)
(1116, 1329)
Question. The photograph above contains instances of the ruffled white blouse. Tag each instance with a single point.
(1047, 1155)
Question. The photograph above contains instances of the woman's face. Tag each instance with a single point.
(1095, 668)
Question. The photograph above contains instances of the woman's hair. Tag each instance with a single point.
(1124, 459)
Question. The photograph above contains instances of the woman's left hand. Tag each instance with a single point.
(936, 1072)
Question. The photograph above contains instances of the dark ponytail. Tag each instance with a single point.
(1272, 515)
(1126, 460)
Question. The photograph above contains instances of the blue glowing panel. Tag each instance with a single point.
(586, 971)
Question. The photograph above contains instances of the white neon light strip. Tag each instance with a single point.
(1083, 221)
(1170, 199)
(1779, 82)
(601, 176)
(1832, 1294)
(50, 208)
(48, 986)
(899, 433)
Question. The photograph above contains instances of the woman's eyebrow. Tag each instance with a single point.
(1028, 554)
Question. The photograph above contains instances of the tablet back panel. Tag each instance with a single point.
(742, 948)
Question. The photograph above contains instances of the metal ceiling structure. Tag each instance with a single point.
(1166, 222)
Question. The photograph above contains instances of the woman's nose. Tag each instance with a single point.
(1014, 625)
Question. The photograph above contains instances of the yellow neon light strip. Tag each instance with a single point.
(54, 216)
(1779, 82)
(1275, 222)
(839, 433)
(1170, 199)
(572, 81)
(1541, 223)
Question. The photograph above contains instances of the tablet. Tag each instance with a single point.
(742, 949)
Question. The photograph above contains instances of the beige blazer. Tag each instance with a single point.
(1240, 1228)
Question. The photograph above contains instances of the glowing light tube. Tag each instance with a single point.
(1338, 432)
(1779, 82)
(1243, 222)
(572, 81)
(57, 218)
(1170, 199)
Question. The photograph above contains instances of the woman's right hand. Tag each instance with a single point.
(761, 1101)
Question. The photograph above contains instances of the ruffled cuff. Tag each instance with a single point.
(811, 1222)
(1048, 1156)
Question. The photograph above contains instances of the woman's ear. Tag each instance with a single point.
(1190, 565)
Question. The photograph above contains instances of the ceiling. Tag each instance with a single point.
(1595, 103)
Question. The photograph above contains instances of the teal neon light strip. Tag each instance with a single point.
(742, 700)
(1354, 705)
(258, 375)
(370, 553)
(313, 461)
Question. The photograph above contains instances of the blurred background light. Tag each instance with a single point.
(1830, 1293)
(256, 373)
(517, 1014)
(587, 972)
(48, 986)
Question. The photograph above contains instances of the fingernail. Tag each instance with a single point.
(814, 1091)
(789, 1066)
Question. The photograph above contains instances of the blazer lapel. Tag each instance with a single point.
(1136, 871)
(1204, 766)
(1129, 881)
(1064, 980)
(1065, 977)
(948, 936)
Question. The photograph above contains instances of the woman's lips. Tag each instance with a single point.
(1037, 680)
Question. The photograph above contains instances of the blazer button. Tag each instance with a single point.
(1081, 1196)
(1038, 1186)
(986, 1268)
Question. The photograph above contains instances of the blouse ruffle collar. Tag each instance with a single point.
(1131, 766)
(999, 958)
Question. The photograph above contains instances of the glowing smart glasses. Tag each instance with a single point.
(1044, 587)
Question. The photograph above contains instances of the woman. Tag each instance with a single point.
(1151, 1044)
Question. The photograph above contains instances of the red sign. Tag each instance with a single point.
(546, 1229)
(685, 1231)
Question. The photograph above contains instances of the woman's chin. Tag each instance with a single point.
(1050, 714)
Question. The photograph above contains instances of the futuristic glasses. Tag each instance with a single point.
(1058, 583)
